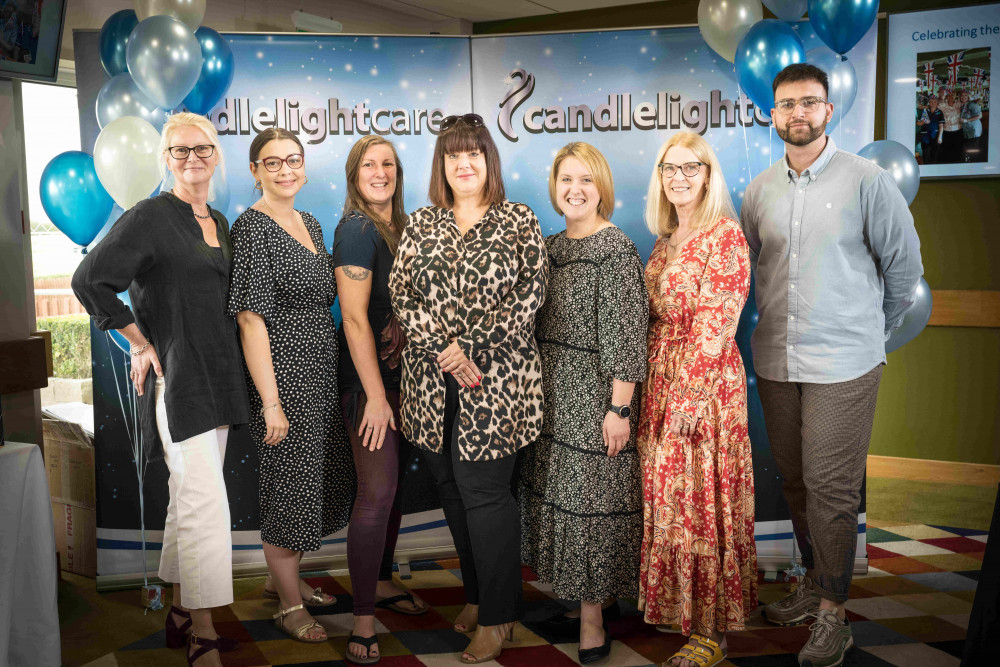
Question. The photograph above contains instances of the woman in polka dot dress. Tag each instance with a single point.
(281, 292)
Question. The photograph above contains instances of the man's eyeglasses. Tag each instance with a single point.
(470, 119)
(182, 152)
(808, 104)
(689, 169)
(273, 163)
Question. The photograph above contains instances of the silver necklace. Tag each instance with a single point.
(676, 245)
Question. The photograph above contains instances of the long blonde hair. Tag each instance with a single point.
(661, 216)
(389, 230)
(187, 119)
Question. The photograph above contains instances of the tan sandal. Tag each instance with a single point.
(317, 598)
(468, 618)
(701, 650)
(488, 643)
(299, 633)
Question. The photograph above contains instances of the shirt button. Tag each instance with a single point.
(792, 285)
(791, 317)
(791, 347)
(795, 254)
(796, 223)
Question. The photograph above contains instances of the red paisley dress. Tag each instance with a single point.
(699, 563)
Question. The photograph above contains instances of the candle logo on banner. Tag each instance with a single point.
(618, 113)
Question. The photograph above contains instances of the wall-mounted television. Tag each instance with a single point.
(30, 38)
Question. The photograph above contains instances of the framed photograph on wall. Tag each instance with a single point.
(938, 101)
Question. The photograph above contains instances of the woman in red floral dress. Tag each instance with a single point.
(699, 564)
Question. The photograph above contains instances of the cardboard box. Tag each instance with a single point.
(76, 538)
(69, 463)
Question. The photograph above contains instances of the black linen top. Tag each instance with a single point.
(356, 242)
(179, 286)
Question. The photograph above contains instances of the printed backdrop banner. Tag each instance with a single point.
(623, 91)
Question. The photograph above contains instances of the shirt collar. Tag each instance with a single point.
(812, 172)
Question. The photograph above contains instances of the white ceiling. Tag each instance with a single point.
(492, 10)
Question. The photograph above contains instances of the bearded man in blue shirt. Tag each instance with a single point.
(837, 263)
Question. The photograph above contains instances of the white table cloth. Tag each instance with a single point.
(29, 618)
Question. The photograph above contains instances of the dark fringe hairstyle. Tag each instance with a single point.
(802, 72)
(463, 138)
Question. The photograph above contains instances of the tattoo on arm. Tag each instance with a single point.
(356, 272)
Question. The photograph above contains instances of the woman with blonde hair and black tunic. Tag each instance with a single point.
(581, 485)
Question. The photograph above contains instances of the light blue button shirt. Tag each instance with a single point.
(837, 262)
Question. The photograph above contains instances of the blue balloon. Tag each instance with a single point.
(114, 40)
(915, 318)
(787, 10)
(899, 161)
(768, 47)
(216, 72)
(842, 23)
(73, 196)
(843, 80)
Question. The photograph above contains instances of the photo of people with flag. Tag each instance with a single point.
(952, 106)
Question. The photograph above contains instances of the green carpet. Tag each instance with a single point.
(899, 501)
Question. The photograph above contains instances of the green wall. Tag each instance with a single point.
(940, 394)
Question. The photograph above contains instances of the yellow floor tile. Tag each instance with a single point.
(283, 651)
(951, 562)
(935, 604)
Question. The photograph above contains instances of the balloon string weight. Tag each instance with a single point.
(152, 594)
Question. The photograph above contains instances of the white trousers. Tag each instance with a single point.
(197, 543)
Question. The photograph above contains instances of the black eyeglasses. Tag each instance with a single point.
(689, 169)
(182, 152)
(273, 163)
(470, 119)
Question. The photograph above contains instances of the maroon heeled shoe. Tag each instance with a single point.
(204, 646)
(177, 635)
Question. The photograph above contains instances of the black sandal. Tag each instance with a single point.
(367, 642)
(205, 646)
(392, 604)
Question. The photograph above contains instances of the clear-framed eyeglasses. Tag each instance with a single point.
(808, 104)
(182, 152)
(689, 169)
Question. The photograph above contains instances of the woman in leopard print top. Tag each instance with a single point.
(469, 276)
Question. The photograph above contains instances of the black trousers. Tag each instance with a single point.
(484, 521)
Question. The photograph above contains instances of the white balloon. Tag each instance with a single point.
(191, 12)
(723, 22)
(126, 160)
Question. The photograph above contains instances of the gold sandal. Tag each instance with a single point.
(315, 600)
(468, 617)
(298, 633)
(489, 638)
(704, 652)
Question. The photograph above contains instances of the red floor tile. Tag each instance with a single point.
(956, 544)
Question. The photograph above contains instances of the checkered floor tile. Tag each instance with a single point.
(912, 608)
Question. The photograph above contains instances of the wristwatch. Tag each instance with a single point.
(622, 411)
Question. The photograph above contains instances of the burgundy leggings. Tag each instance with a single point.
(374, 525)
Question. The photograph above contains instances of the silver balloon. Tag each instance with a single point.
(191, 12)
(126, 160)
(915, 318)
(787, 10)
(723, 22)
(164, 59)
(843, 79)
(899, 161)
(121, 97)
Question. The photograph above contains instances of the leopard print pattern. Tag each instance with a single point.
(483, 290)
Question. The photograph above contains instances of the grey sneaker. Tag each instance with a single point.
(795, 608)
(829, 639)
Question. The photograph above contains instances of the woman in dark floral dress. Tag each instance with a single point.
(581, 484)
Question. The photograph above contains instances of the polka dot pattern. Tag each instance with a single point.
(307, 481)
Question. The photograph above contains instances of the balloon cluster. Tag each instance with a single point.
(760, 48)
(158, 58)
(764, 47)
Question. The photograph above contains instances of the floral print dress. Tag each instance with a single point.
(699, 563)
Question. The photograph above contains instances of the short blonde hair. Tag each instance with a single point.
(595, 162)
(661, 217)
(187, 119)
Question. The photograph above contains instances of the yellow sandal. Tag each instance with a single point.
(300, 632)
(704, 652)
